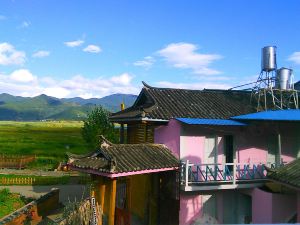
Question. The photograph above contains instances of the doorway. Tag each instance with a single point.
(228, 149)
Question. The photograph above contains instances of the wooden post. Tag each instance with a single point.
(187, 173)
(112, 202)
(122, 136)
(234, 172)
(102, 195)
(128, 190)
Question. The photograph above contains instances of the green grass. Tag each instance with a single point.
(9, 202)
(49, 141)
(41, 138)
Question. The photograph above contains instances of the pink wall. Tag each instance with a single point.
(250, 148)
(290, 145)
(192, 148)
(271, 207)
(251, 144)
(190, 208)
(261, 206)
(169, 135)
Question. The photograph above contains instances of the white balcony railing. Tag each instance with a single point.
(227, 173)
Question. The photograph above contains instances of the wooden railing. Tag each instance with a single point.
(229, 173)
(15, 162)
(17, 180)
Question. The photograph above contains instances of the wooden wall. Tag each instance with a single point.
(140, 133)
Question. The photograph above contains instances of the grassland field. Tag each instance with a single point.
(43, 139)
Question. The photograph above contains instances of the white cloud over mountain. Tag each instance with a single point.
(185, 56)
(194, 86)
(23, 82)
(23, 76)
(10, 56)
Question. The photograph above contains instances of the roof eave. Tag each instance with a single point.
(139, 119)
(123, 174)
(295, 187)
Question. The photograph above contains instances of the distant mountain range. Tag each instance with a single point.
(45, 107)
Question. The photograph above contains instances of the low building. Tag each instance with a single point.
(132, 182)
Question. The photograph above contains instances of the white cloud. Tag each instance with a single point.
(10, 56)
(25, 24)
(147, 62)
(184, 55)
(41, 54)
(58, 92)
(22, 82)
(295, 57)
(92, 49)
(22, 75)
(74, 43)
(123, 79)
(194, 86)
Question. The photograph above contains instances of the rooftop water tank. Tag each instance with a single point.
(284, 78)
(268, 60)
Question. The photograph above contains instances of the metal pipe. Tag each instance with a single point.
(278, 161)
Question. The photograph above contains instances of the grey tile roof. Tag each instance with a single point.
(120, 158)
(289, 174)
(167, 103)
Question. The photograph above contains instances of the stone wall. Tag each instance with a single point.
(33, 211)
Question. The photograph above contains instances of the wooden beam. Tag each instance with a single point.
(112, 202)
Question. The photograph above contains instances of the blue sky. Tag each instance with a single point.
(96, 48)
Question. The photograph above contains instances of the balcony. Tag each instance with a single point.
(204, 177)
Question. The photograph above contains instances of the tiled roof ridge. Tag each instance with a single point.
(147, 86)
(141, 144)
(104, 142)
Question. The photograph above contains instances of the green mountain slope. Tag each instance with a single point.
(44, 107)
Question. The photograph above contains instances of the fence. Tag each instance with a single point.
(84, 213)
(15, 162)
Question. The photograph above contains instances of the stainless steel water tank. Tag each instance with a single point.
(268, 60)
(283, 78)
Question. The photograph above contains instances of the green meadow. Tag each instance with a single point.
(47, 140)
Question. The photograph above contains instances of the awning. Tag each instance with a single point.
(213, 122)
(272, 115)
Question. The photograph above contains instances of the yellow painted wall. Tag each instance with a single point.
(141, 195)
(140, 187)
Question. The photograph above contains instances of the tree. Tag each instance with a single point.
(97, 123)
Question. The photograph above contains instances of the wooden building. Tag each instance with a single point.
(156, 106)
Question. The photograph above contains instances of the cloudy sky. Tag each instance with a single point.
(96, 48)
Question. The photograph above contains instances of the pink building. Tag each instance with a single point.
(225, 149)
(225, 178)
